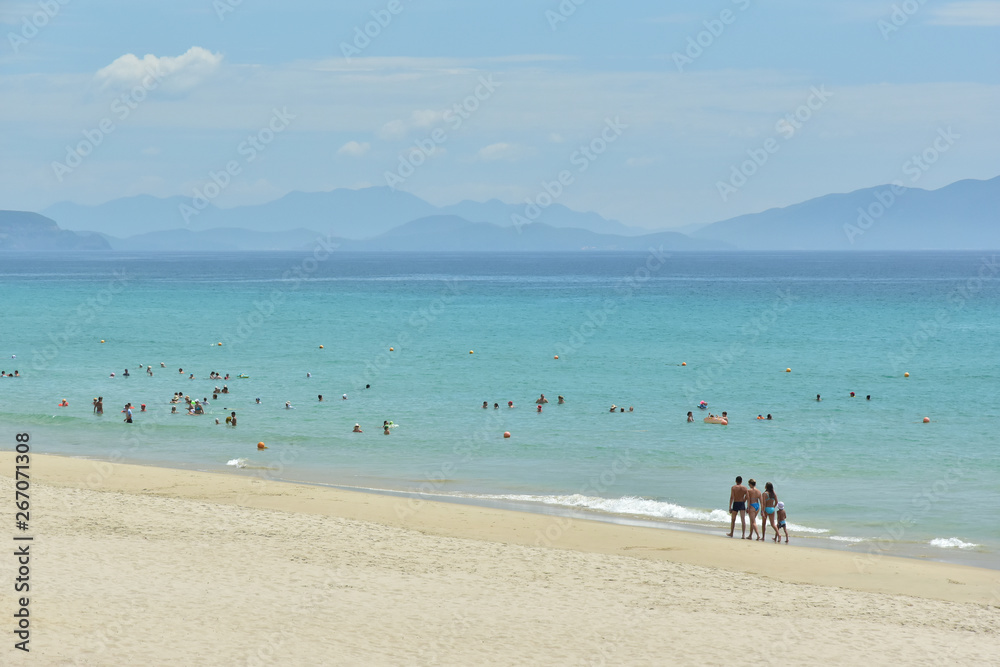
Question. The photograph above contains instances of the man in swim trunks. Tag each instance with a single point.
(738, 503)
(542, 399)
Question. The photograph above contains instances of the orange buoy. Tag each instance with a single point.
(220, 344)
(102, 340)
(788, 370)
(906, 375)
(556, 357)
(321, 347)
(684, 363)
(392, 349)
(506, 434)
(470, 352)
(261, 445)
(927, 420)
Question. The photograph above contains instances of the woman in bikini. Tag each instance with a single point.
(770, 501)
(753, 507)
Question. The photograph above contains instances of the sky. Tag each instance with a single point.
(657, 114)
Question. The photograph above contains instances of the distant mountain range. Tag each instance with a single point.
(22, 230)
(963, 215)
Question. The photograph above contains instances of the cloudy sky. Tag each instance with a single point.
(661, 113)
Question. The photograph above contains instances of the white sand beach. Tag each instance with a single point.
(140, 565)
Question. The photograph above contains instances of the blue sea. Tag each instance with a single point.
(437, 335)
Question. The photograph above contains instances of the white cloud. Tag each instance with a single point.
(177, 73)
(394, 129)
(502, 151)
(354, 149)
(974, 13)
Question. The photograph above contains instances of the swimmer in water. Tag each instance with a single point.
(539, 408)
(510, 404)
(162, 365)
(818, 398)
(344, 397)
(288, 405)
(768, 416)
(485, 405)
(191, 377)
(561, 400)
(496, 406)
(690, 416)
(868, 397)
(631, 409)
(142, 407)
(232, 418)
(125, 374)
(258, 401)
(357, 429)
(320, 398)
(368, 386)
(541, 399)
(614, 407)
(173, 410)
(309, 375)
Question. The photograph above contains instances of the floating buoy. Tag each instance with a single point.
(927, 420)
(102, 340)
(556, 357)
(506, 434)
(788, 370)
(392, 349)
(906, 375)
(471, 352)
(261, 445)
(684, 363)
(321, 347)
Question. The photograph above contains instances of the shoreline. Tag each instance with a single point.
(792, 563)
(916, 550)
(143, 565)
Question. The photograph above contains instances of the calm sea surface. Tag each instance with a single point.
(864, 475)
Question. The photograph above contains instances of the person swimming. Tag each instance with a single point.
(560, 400)
(357, 429)
(485, 405)
(690, 416)
(288, 405)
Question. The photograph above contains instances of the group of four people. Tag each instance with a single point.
(753, 501)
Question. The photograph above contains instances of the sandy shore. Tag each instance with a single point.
(142, 565)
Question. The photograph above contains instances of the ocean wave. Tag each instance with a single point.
(636, 506)
(844, 538)
(239, 463)
(951, 543)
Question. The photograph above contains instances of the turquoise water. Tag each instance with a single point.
(864, 475)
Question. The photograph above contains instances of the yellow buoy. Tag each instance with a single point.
(321, 347)
(392, 349)
(471, 352)
(102, 340)
(906, 375)
(788, 370)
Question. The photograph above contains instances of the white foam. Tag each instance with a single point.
(951, 543)
(635, 506)
(239, 463)
(844, 538)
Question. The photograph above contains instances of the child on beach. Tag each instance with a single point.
(782, 525)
